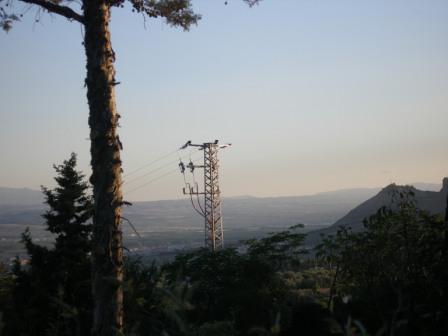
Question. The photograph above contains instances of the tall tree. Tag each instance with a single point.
(105, 147)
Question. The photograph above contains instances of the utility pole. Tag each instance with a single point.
(211, 208)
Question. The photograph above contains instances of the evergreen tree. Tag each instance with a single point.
(52, 293)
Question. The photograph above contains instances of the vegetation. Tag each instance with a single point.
(246, 292)
(51, 290)
(390, 279)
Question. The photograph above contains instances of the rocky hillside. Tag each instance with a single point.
(433, 201)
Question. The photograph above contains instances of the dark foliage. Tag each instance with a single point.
(52, 291)
(392, 277)
(244, 290)
(6, 288)
(175, 12)
(143, 299)
(280, 250)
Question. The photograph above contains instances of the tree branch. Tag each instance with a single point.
(57, 9)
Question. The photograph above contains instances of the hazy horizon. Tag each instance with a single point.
(315, 96)
(424, 186)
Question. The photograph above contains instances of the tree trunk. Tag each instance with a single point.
(105, 148)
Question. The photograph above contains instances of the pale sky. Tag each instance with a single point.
(314, 95)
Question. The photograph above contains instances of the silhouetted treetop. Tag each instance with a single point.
(175, 12)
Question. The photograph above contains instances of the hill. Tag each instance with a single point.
(431, 201)
(20, 196)
(25, 206)
(170, 225)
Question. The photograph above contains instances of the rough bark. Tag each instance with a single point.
(107, 252)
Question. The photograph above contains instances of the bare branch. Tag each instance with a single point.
(57, 9)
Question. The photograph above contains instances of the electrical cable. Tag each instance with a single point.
(197, 195)
(194, 207)
(197, 191)
(153, 180)
(149, 173)
(188, 187)
(150, 163)
(134, 229)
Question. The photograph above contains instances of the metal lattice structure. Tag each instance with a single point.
(214, 236)
(211, 208)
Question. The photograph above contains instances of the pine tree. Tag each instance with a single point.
(53, 293)
(70, 210)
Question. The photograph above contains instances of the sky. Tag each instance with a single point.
(314, 95)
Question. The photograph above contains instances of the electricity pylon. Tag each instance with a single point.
(211, 210)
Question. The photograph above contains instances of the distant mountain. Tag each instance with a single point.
(432, 201)
(244, 212)
(21, 214)
(251, 213)
(20, 196)
(25, 206)
(172, 225)
(255, 213)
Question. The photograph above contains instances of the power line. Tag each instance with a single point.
(150, 172)
(140, 241)
(150, 163)
(153, 180)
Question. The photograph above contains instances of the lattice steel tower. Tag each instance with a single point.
(211, 209)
